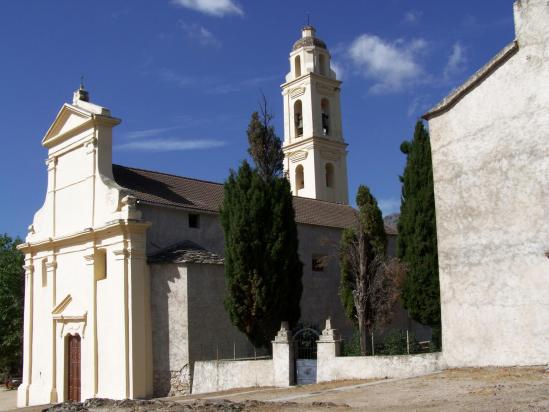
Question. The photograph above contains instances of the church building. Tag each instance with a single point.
(124, 275)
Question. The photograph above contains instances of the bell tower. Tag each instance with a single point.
(315, 152)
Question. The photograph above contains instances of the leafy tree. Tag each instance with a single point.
(369, 280)
(12, 284)
(417, 235)
(262, 267)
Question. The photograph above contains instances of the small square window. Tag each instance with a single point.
(319, 263)
(194, 220)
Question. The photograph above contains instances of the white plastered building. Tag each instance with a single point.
(86, 278)
(490, 151)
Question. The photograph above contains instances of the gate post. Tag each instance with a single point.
(283, 357)
(328, 348)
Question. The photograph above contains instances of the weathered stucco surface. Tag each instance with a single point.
(214, 376)
(491, 171)
(330, 368)
(189, 323)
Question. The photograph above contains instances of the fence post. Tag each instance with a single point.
(407, 341)
(234, 350)
(283, 357)
(217, 351)
(327, 349)
(373, 350)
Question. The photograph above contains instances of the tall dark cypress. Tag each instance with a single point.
(417, 234)
(262, 267)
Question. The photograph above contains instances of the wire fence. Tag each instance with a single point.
(232, 351)
(396, 342)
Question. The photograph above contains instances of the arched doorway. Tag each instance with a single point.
(73, 367)
(305, 355)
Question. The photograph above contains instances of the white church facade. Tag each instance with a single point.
(124, 276)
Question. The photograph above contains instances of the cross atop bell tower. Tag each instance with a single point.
(314, 149)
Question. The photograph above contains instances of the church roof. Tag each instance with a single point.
(186, 252)
(162, 189)
(309, 41)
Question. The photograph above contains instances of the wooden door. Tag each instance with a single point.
(74, 368)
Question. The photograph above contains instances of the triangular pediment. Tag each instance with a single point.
(75, 118)
(69, 118)
(69, 309)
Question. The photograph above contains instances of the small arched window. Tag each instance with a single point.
(299, 177)
(298, 118)
(322, 64)
(329, 175)
(325, 110)
(297, 66)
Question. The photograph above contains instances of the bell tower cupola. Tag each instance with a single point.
(315, 152)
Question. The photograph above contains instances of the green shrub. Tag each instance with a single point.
(351, 347)
(395, 344)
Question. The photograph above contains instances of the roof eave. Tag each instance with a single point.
(460, 92)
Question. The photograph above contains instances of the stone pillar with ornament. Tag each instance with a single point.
(283, 357)
(328, 348)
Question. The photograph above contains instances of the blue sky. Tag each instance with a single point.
(185, 75)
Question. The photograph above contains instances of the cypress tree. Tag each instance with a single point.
(262, 267)
(265, 146)
(417, 237)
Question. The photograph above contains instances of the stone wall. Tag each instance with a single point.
(491, 172)
(189, 322)
(169, 312)
(331, 366)
(214, 376)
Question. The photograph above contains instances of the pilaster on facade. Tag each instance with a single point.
(23, 390)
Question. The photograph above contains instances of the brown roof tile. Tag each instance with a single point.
(186, 252)
(176, 191)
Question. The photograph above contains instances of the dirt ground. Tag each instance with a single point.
(488, 389)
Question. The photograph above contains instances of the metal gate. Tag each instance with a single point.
(305, 356)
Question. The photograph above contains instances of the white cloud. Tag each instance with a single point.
(456, 61)
(224, 88)
(388, 206)
(141, 134)
(218, 8)
(170, 145)
(199, 34)
(419, 105)
(178, 79)
(338, 69)
(392, 66)
(151, 140)
(213, 85)
(412, 16)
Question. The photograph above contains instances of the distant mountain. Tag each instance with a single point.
(391, 220)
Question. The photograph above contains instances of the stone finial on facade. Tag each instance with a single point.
(329, 334)
(81, 94)
(284, 334)
(129, 208)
